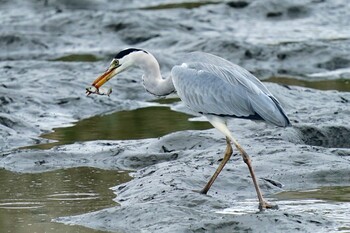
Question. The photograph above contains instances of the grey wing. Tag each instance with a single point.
(211, 89)
(238, 73)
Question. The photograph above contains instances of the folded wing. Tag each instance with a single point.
(212, 85)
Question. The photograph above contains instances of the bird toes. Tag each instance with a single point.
(265, 205)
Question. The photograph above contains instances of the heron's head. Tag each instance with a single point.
(123, 60)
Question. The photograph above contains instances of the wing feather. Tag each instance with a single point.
(216, 86)
(240, 74)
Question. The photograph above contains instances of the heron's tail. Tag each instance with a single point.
(268, 108)
(281, 110)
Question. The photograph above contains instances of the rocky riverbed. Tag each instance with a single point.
(52, 50)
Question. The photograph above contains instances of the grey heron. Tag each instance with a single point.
(210, 86)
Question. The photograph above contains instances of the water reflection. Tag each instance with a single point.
(28, 202)
(148, 122)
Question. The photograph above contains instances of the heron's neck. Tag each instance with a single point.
(152, 78)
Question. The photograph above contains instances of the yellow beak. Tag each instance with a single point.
(102, 79)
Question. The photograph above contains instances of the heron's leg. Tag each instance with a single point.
(220, 124)
(262, 203)
(227, 156)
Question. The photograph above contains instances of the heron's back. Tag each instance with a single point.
(214, 86)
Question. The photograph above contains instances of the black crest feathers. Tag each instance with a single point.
(125, 52)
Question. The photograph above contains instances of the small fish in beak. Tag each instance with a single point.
(98, 91)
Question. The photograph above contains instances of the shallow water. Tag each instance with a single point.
(337, 84)
(141, 123)
(28, 202)
(78, 58)
(34, 199)
(332, 193)
(185, 5)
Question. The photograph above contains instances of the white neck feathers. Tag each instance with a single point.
(152, 78)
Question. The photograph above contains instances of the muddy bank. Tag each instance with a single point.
(167, 170)
(51, 50)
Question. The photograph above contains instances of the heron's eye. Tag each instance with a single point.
(115, 63)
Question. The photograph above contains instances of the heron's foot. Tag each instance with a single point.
(203, 191)
(265, 205)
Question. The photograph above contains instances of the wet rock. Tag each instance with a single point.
(328, 136)
(335, 63)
